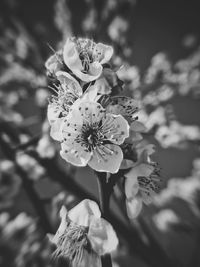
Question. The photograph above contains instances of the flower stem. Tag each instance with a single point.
(104, 198)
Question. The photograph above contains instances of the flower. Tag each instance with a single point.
(67, 93)
(85, 58)
(141, 184)
(83, 232)
(92, 136)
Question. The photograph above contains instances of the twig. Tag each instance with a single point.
(104, 199)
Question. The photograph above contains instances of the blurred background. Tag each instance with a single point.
(158, 45)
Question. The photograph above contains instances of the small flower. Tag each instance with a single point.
(83, 233)
(92, 136)
(141, 185)
(85, 58)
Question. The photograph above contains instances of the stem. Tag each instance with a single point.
(104, 199)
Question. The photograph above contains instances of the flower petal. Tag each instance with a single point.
(62, 227)
(115, 128)
(103, 86)
(131, 187)
(53, 113)
(105, 52)
(95, 70)
(89, 111)
(54, 62)
(71, 56)
(90, 94)
(123, 105)
(126, 164)
(75, 154)
(137, 126)
(106, 158)
(84, 212)
(131, 183)
(89, 259)
(134, 207)
(56, 129)
(69, 82)
(102, 236)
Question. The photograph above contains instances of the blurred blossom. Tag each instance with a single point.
(189, 40)
(45, 147)
(156, 117)
(9, 183)
(89, 24)
(21, 243)
(162, 94)
(10, 115)
(177, 134)
(9, 99)
(62, 18)
(110, 6)
(159, 65)
(21, 47)
(63, 198)
(187, 189)
(19, 74)
(117, 29)
(83, 234)
(131, 75)
(165, 219)
(30, 165)
(196, 167)
(41, 97)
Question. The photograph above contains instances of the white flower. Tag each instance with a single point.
(141, 185)
(92, 136)
(67, 93)
(82, 233)
(85, 58)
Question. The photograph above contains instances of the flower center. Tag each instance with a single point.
(73, 242)
(87, 52)
(91, 136)
(64, 99)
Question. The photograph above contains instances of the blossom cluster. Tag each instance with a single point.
(97, 125)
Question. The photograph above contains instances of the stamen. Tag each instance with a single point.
(73, 242)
